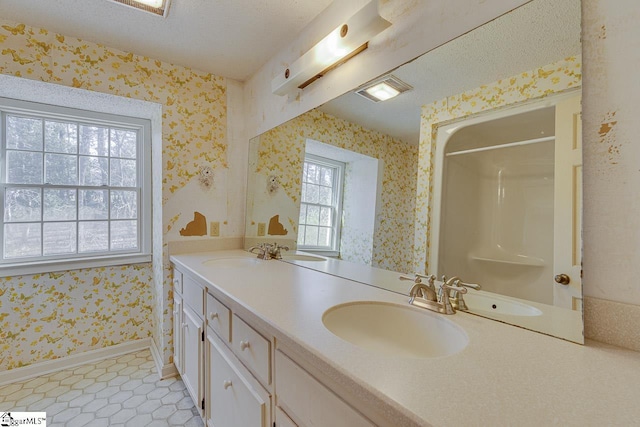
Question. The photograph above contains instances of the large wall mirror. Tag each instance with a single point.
(473, 171)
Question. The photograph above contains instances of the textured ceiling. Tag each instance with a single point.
(231, 38)
(536, 34)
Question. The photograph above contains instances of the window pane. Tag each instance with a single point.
(313, 174)
(303, 194)
(123, 143)
(327, 177)
(313, 215)
(60, 169)
(59, 205)
(123, 173)
(124, 205)
(93, 204)
(313, 193)
(324, 197)
(323, 237)
(305, 167)
(22, 204)
(24, 167)
(22, 240)
(94, 140)
(59, 238)
(24, 133)
(303, 214)
(61, 137)
(301, 233)
(124, 235)
(325, 217)
(94, 236)
(311, 236)
(94, 171)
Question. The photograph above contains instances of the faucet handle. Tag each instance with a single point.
(475, 286)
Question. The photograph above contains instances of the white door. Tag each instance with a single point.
(567, 263)
(177, 332)
(192, 355)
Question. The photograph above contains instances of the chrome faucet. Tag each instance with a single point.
(275, 250)
(424, 294)
(268, 251)
(456, 297)
(420, 289)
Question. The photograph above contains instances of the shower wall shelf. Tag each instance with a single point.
(521, 260)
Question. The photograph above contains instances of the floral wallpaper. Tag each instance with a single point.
(51, 315)
(553, 78)
(281, 153)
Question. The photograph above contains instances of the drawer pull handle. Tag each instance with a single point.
(213, 316)
(227, 384)
(244, 345)
(184, 325)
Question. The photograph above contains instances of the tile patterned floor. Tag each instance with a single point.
(125, 391)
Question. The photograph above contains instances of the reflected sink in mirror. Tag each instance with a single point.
(395, 330)
(302, 257)
(487, 304)
(233, 262)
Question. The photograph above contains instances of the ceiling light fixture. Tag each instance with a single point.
(383, 88)
(337, 47)
(158, 7)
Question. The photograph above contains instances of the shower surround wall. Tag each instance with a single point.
(498, 219)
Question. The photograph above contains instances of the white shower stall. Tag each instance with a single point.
(495, 189)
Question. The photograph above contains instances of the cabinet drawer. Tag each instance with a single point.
(193, 295)
(218, 317)
(253, 349)
(310, 402)
(177, 281)
(235, 397)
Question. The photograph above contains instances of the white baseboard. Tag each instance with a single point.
(49, 366)
(164, 371)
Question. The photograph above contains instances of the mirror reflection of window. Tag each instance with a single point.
(320, 205)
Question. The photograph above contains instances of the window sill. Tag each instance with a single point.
(66, 265)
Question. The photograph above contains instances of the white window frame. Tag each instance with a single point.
(336, 220)
(42, 264)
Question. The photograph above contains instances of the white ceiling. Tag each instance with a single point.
(231, 38)
(536, 34)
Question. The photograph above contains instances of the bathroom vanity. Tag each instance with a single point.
(253, 349)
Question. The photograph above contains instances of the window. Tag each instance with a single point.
(320, 205)
(74, 186)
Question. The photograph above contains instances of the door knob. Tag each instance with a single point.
(563, 279)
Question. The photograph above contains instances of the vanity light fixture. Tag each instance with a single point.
(341, 44)
(383, 88)
(158, 7)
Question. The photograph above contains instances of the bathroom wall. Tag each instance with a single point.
(611, 219)
(52, 315)
(281, 153)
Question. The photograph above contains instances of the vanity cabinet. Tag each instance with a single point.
(309, 402)
(235, 373)
(234, 397)
(189, 336)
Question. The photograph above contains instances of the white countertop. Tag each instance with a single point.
(505, 375)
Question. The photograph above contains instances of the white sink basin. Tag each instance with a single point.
(492, 304)
(395, 330)
(301, 257)
(233, 262)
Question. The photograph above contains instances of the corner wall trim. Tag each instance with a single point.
(49, 366)
(164, 371)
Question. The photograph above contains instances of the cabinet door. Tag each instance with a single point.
(234, 396)
(193, 355)
(178, 348)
